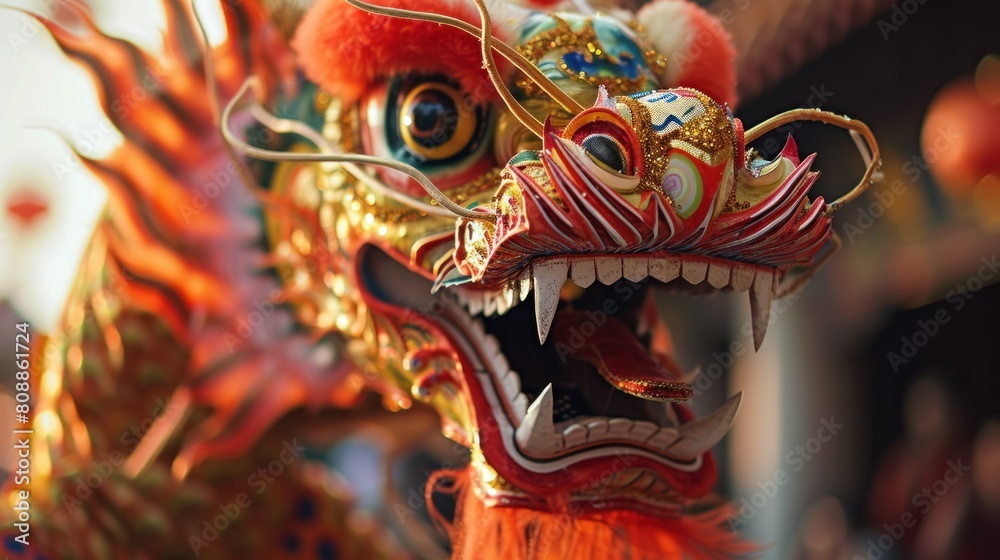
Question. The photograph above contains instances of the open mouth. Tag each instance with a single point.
(597, 387)
(581, 333)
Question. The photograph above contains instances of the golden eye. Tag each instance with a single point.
(434, 122)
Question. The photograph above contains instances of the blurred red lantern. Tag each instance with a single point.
(961, 134)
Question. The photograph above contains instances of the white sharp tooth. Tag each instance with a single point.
(642, 430)
(635, 268)
(524, 287)
(583, 272)
(701, 435)
(548, 278)
(509, 297)
(489, 305)
(574, 435)
(664, 269)
(596, 429)
(502, 304)
(694, 271)
(609, 269)
(619, 427)
(742, 278)
(663, 438)
(520, 405)
(475, 303)
(512, 386)
(760, 305)
(718, 275)
(537, 433)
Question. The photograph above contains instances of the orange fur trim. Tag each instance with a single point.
(347, 50)
(487, 533)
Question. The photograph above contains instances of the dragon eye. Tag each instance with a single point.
(431, 123)
(609, 142)
(434, 122)
(606, 152)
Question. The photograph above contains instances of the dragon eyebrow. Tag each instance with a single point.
(860, 133)
(489, 44)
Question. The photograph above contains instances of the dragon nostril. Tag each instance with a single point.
(606, 151)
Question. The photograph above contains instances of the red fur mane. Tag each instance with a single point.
(346, 50)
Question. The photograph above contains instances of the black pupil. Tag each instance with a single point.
(605, 150)
(432, 118)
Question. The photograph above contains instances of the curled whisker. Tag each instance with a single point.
(859, 131)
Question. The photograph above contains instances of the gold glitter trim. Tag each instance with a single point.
(654, 147)
(708, 137)
(733, 205)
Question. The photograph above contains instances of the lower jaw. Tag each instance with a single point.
(495, 491)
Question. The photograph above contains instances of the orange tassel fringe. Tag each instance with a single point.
(485, 533)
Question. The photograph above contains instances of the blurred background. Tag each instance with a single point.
(870, 425)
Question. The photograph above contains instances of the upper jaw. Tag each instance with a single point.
(545, 277)
(556, 206)
(562, 221)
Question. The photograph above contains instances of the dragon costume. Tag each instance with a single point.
(457, 207)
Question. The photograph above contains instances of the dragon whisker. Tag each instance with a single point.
(859, 131)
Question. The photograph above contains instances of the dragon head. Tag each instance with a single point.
(494, 245)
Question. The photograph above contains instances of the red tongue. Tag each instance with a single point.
(616, 353)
